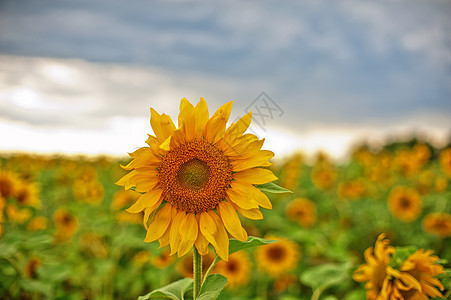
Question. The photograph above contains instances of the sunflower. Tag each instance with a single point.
(26, 194)
(162, 260)
(31, 267)
(283, 282)
(66, 225)
(291, 171)
(323, 176)
(438, 224)
(237, 269)
(352, 190)
(445, 161)
(196, 177)
(88, 191)
(374, 271)
(302, 211)
(8, 183)
(390, 276)
(37, 223)
(405, 203)
(17, 215)
(441, 183)
(278, 258)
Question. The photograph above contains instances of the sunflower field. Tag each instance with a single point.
(381, 221)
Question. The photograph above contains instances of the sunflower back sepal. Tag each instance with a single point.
(212, 287)
(271, 187)
(252, 241)
(175, 290)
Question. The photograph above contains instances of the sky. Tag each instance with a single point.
(80, 76)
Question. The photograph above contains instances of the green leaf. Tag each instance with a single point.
(175, 290)
(235, 245)
(322, 277)
(400, 255)
(271, 187)
(212, 287)
(54, 272)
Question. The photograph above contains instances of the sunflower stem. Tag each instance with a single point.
(197, 270)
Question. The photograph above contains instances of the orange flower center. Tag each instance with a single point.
(276, 253)
(195, 176)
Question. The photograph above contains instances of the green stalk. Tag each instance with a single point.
(197, 270)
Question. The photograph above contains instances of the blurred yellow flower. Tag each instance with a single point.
(278, 258)
(291, 172)
(438, 224)
(283, 282)
(237, 269)
(26, 194)
(162, 260)
(445, 161)
(141, 258)
(66, 225)
(8, 183)
(441, 183)
(90, 191)
(123, 199)
(415, 278)
(31, 267)
(195, 179)
(352, 190)
(405, 203)
(17, 215)
(37, 223)
(374, 271)
(323, 177)
(93, 245)
(303, 211)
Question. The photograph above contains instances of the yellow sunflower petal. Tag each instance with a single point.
(188, 232)
(221, 237)
(251, 194)
(125, 180)
(231, 221)
(201, 242)
(164, 240)
(252, 214)
(237, 194)
(159, 225)
(174, 235)
(148, 199)
(238, 128)
(216, 125)
(202, 117)
(187, 118)
(259, 160)
(255, 176)
(161, 125)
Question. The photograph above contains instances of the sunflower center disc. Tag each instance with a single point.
(193, 174)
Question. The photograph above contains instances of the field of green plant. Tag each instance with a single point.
(65, 234)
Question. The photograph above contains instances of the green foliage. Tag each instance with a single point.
(252, 241)
(175, 290)
(271, 187)
(212, 287)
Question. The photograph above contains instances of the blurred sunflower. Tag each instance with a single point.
(404, 275)
(445, 161)
(438, 224)
(31, 267)
(141, 258)
(66, 224)
(278, 258)
(8, 183)
(88, 191)
(302, 211)
(17, 215)
(374, 271)
(37, 223)
(323, 177)
(195, 178)
(237, 269)
(405, 203)
(283, 282)
(26, 194)
(291, 171)
(352, 190)
(162, 260)
(441, 183)
(123, 198)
